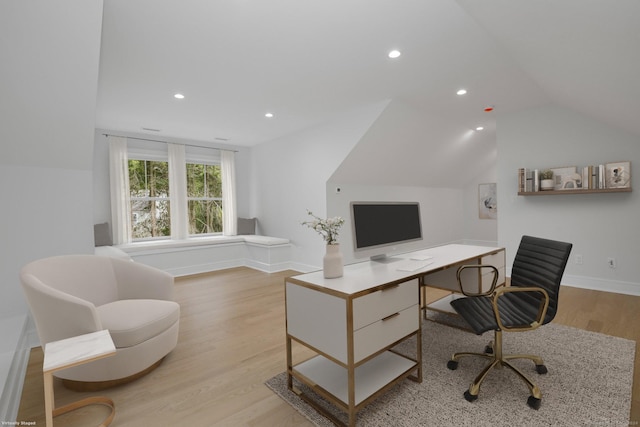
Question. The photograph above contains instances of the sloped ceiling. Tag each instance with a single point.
(584, 55)
(306, 61)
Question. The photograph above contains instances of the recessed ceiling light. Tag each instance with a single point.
(178, 96)
(394, 54)
(268, 115)
(461, 92)
(479, 128)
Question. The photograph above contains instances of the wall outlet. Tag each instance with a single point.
(579, 259)
(611, 262)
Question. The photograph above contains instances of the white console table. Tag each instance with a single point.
(353, 322)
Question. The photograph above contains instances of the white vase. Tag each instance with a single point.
(546, 184)
(332, 264)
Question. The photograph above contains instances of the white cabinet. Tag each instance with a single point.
(351, 334)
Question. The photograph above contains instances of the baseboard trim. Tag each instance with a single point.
(597, 284)
(12, 390)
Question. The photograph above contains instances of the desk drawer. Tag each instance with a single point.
(380, 334)
(496, 260)
(380, 304)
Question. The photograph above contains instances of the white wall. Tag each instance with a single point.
(49, 76)
(290, 176)
(407, 146)
(599, 225)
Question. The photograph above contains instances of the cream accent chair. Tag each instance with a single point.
(72, 295)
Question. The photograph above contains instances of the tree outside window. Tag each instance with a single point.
(149, 192)
(204, 198)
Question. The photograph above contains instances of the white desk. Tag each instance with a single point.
(353, 321)
(59, 355)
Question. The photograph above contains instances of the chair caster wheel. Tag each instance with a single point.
(488, 350)
(452, 364)
(534, 403)
(541, 369)
(471, 397)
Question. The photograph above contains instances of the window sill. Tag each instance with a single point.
(132, 248)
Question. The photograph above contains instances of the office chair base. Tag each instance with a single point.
(470, 397)
(471, 394)
(534, 403)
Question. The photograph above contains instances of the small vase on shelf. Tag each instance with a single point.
(546, 180)
(332, 264)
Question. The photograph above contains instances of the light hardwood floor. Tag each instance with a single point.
(232, 339)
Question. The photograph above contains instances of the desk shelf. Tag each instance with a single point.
(443, 305)
(370, 377)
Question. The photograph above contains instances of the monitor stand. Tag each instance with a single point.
(384, 259)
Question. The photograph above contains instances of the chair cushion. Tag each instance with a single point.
(478, 312)
(133, 321)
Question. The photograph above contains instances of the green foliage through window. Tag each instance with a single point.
(204, 198)
(149, 192)
(150, 201)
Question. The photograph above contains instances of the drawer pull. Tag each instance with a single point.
(388, 288)
(391, 316)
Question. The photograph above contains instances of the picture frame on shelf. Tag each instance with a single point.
(618, 175)
(566, 178)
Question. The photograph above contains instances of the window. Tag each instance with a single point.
(204, 198)
(150, 202)
(171, 191)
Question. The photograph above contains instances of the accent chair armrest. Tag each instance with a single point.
(57, 314)
(139, 281)
(478, 267)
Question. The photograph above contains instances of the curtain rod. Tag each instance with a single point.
(166, 142)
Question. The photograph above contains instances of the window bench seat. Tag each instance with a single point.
(200, 255)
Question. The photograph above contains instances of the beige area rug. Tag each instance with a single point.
(588, 384)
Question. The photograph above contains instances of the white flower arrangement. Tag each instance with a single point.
(328, 228)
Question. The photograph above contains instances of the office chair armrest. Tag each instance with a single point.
(542, 309)
(479, 267)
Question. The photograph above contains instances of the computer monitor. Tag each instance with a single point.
(382, 227)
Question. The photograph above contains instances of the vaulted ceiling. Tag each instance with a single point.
(307, 61)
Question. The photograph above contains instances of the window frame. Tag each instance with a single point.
(148, 157)
(200, 161)
(158, 151)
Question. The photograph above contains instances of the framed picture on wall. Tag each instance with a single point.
(617, 175)
(487, 201)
